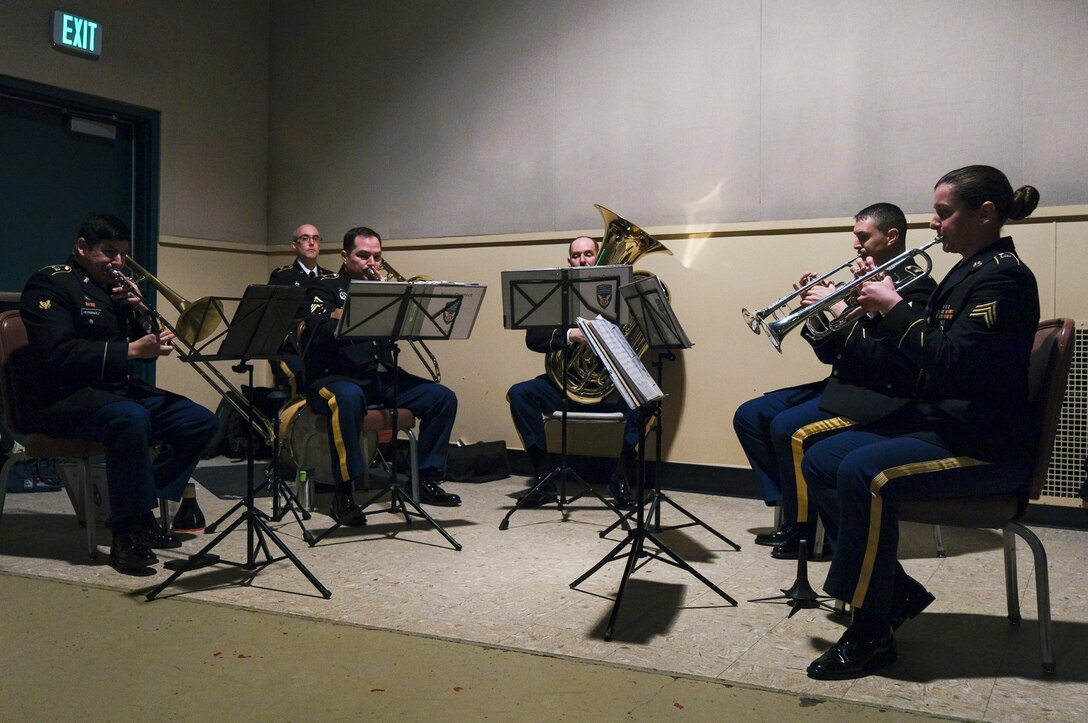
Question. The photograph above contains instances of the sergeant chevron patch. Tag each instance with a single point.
(987, 312)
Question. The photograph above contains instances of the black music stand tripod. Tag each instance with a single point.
(551, 298)
(650, 307)
(385, 312)
(274, 482)
(637, 536)
(255, 332)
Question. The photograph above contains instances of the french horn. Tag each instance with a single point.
(584, 379)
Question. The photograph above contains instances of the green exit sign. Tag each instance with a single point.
(74, 34)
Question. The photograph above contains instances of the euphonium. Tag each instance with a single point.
(585, 380)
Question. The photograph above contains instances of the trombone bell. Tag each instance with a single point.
(197, 320)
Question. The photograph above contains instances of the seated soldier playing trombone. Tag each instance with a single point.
(86, 326)
(869, 378)
(344, 376)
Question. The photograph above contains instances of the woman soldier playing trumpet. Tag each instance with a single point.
(963, 433)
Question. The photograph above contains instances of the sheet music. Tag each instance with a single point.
(633, 382)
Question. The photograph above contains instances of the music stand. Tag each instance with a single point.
(638, 390)
(414, 311)
(649, 306)
(554, 298)
(255, 332)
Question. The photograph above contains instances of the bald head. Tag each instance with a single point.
(582, 252)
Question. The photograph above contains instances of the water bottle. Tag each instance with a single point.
(303, 491)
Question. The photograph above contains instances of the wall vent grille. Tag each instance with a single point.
(1067, 466)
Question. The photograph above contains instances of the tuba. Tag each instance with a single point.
(585, 380)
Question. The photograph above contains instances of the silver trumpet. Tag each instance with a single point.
(778, 319)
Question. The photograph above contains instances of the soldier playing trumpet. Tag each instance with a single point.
(869, 378)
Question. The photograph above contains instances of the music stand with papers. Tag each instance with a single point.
(554, 298)
(649, 305)
(638, 390)
(412, 311)
(255, 332)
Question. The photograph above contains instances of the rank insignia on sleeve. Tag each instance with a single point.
(45, 304)
(945, 313)
(987, 312)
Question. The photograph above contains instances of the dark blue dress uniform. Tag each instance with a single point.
(965, 432)
(85, 388)
(532, 398)
(288, 369)
(346, 376)
(869, 379)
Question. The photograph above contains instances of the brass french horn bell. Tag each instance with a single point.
(197, 320)
(585, 380)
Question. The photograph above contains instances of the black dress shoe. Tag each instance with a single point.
(150, 533)
(346, 512)
(127, 552)
(770, 539)
(791, 550)
(854, 656)
(621, 496)
(431, 494)
(907, 606)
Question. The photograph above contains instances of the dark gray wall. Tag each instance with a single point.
(459, 117)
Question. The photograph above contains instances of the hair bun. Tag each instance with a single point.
(1024, 201)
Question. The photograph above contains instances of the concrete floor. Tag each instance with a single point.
(79, 652)
(411, 621)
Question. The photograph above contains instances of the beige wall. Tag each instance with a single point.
(204, 65)
(714, 271)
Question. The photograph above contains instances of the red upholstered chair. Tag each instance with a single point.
(17, 364)
(1050, 360)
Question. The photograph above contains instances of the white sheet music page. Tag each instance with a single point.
(634, 383)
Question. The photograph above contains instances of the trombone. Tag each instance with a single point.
(197, 321)
(783, 319)
(430, 361)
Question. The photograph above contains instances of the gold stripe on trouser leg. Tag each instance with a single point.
(290, 378)
(865, 575)
(337, 434)
(797, 445)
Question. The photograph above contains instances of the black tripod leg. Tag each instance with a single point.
(679, 562)
(195, 561)
(628, 570)
(613, 555)
(505, 524)
(398, 495)
(265, 531)
(210, 529)
(699, 522)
